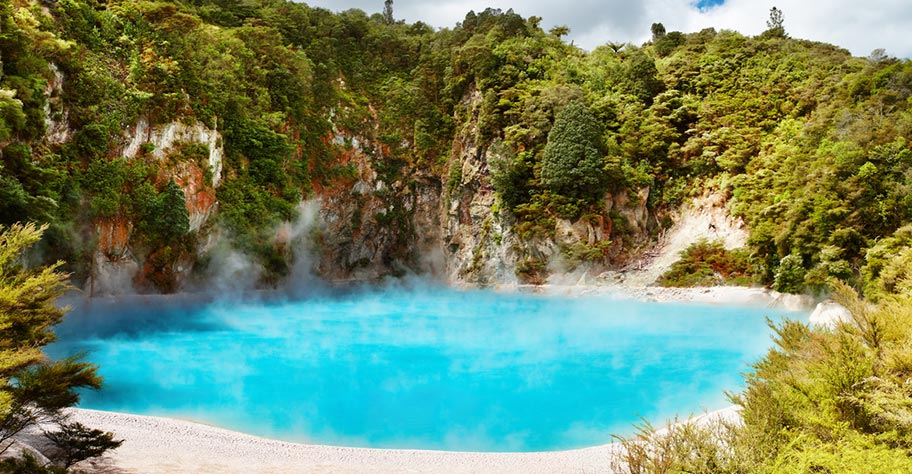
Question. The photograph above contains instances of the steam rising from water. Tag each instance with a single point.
(301, 237)
(231, 272)
(422, 368)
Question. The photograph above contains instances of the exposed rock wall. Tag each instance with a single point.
(353, 241)
(56, 128)
(371, 227)
(704, 217)
(479, 244)
(372, 224)
(200, 195)
(453, 231)
(116, 267)
(164, 137)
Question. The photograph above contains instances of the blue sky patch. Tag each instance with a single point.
(704, 5)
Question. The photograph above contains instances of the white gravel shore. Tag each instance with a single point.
(713, 295)
(156, 445)
(162, 445)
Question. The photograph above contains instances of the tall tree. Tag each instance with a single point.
(173, 218)
(775, 22)
(658, 31)
(559, 31)
(573, 163)
(641, 77)
(388, 12)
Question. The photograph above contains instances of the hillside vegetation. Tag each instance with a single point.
(810, 144)
(823, 400)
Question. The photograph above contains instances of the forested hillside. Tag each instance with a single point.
(151, 136)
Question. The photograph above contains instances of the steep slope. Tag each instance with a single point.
(705, 217)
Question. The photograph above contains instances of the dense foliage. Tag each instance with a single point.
(823, 400)
(573, 158)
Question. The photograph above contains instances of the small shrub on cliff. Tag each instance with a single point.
(790, 274)
(532, 271)
(580, 252)
(455, 177)
(707, 263)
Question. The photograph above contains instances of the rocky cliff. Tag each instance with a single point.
(455, 231)
(118, 266)
(369, 225)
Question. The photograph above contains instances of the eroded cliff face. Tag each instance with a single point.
(479, 244)
(370, 224)
(117, 265)
(163, 138)
(114, 267)
(455, 232)
(55, 114)
(370, 227)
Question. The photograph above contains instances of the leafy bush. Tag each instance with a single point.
(76, 442)
(790, 274)
(34, 389)
(171, 221)
(706, 263)
(580, 252)
(455, 178)
(888, 264)
(822, 400)
(531, 270)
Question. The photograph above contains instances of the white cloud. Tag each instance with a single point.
(859, 27)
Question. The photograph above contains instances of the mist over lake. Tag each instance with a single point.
(427, 368)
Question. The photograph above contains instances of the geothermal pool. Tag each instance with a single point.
(429, 369)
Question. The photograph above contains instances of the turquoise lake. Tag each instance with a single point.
(426, 369)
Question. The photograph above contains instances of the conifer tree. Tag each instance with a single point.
(34, 389)
(658, 31)
(173, 218)
(388, 12)
(774, 24)
(573, 161)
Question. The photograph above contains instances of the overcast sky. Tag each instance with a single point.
(859, 26)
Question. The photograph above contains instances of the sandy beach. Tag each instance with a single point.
(162, 445)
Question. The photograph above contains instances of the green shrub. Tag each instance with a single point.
(823, 400)
(790, 274)
(455, 178)
(573, 161)
(706, 263)
(580, 252)
(887, 265)
(531, 270)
